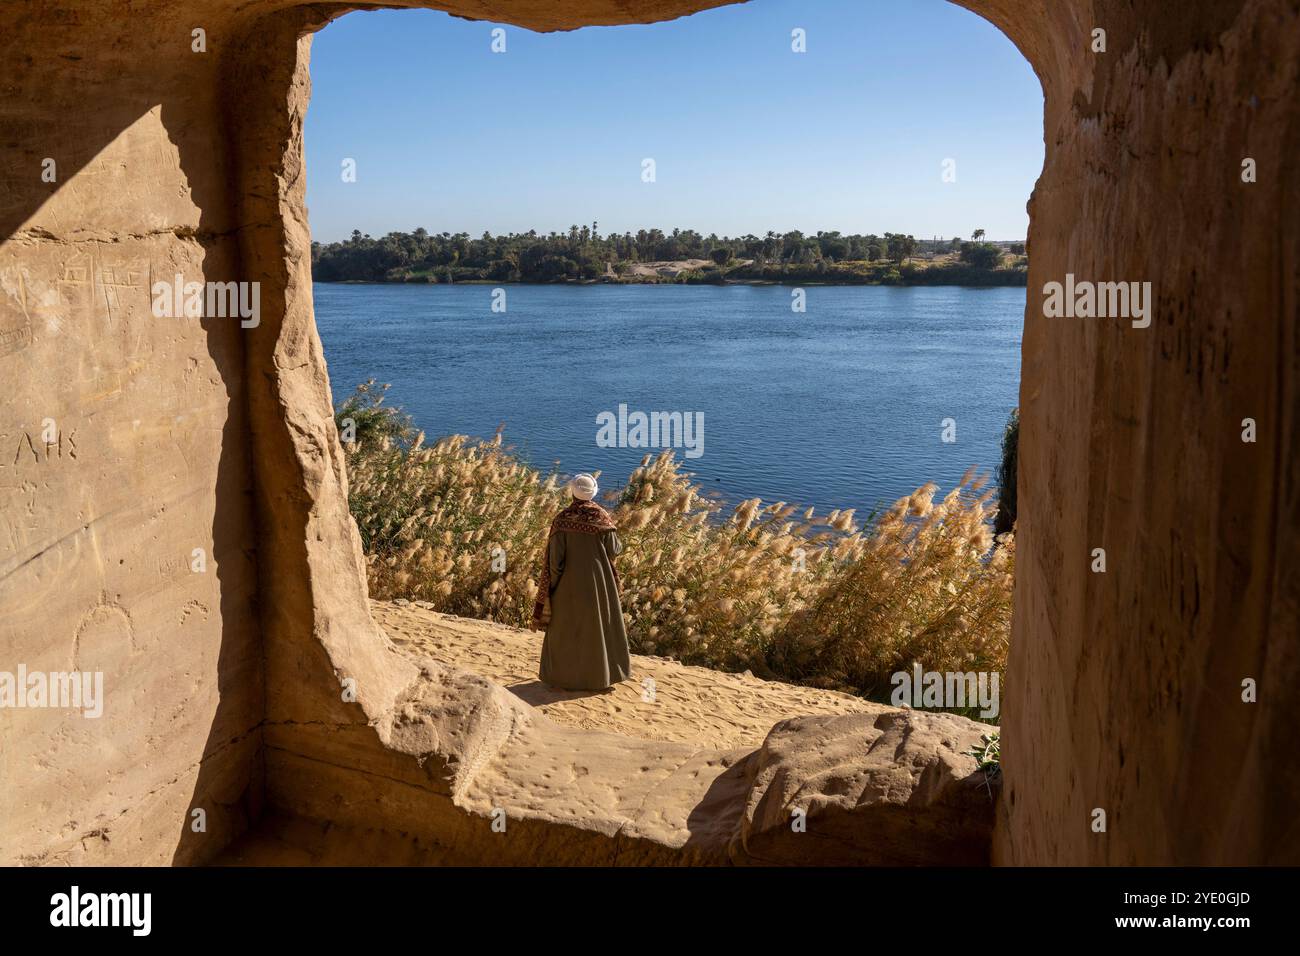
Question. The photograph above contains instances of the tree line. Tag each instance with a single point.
(583, 253)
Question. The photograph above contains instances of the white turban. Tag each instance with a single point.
(583, 487)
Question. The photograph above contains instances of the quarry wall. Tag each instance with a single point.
(173, 507)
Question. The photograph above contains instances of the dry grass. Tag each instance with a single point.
(774, 589)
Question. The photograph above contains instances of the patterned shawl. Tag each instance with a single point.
(585, 517)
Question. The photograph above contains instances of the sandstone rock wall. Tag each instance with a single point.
(1125, 690)
(123, 444)
(127, 441)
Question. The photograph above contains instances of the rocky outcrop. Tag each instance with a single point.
(895, 789)
(496, 781)
(135, 451)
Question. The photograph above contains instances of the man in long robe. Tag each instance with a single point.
(586, 644)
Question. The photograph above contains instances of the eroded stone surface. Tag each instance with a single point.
(898, 788)
(501, 782)
(226, 685)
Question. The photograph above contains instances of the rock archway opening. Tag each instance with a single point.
(877, 362)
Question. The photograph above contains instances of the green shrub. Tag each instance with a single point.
(1007, 469)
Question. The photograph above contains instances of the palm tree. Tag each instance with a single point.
(978, 235)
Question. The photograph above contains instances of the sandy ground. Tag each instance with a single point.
(674, 267)
(690, 704)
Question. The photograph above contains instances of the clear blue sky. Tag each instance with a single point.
(746, 135)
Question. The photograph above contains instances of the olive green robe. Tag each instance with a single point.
(586, 645)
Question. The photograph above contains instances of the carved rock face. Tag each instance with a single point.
(1124, 687)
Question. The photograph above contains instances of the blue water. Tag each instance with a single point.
(840, 406)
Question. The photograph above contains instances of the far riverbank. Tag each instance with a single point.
(924, 273)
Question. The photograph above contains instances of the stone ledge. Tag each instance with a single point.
(878, 786)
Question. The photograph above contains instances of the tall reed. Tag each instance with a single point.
(820, 600)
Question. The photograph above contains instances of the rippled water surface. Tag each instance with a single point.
(839, 406)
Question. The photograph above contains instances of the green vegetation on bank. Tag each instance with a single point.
(1007, 473)
(683, 256)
